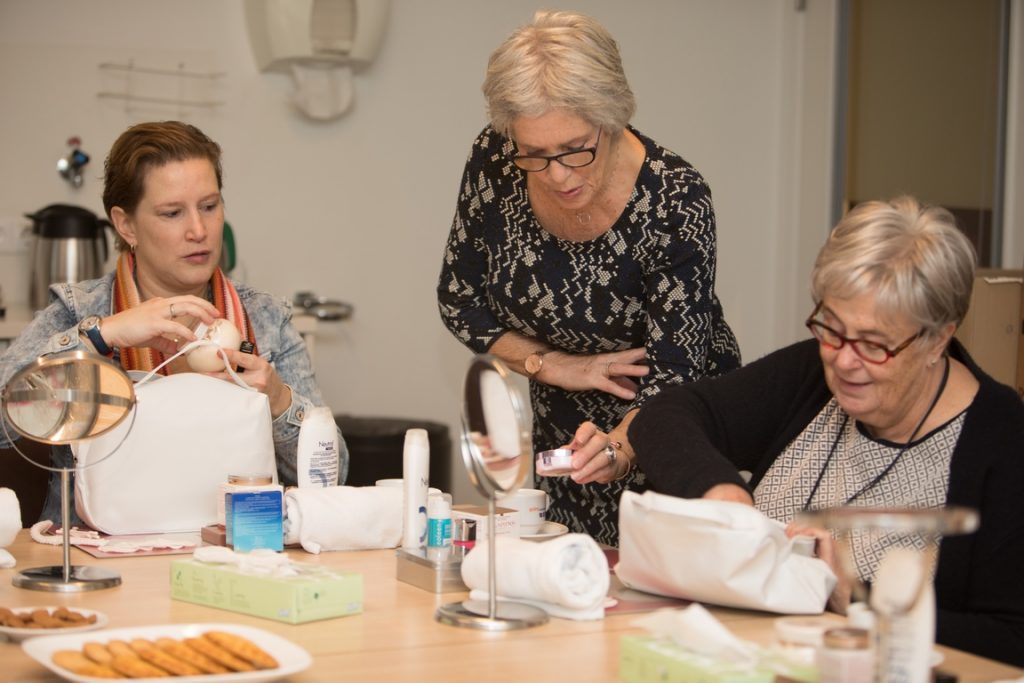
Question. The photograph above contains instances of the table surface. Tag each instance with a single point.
(394, 639)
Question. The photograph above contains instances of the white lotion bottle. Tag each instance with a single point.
(415, 480)
(317, 456)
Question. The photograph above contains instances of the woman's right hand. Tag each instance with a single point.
(614, 373)
(157, 323)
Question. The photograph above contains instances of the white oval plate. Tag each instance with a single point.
(16, 635)
(547, 530)
(290, 657)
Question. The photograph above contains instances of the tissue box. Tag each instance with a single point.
(314, 593)
(644, 659)
(506, 520)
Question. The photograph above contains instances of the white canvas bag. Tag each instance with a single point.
(188, 434)
(716, 552)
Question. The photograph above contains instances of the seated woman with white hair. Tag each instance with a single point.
(882, 408)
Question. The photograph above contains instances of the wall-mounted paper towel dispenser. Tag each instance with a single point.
(318, 42)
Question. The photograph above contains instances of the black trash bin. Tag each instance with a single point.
(375, 446)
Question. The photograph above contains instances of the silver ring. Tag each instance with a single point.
(609, 450)
(171, 309)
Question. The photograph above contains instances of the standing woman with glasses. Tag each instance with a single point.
(883, 408)
(582, 254)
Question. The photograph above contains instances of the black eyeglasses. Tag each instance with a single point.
(577, 158)
(870, 351)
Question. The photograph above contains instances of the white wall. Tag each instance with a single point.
(359, 208)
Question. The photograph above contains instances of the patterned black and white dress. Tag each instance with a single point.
(648, 281)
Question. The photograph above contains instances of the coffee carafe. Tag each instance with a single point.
(70, 246)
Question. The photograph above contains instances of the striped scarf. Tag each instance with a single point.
(126, 295)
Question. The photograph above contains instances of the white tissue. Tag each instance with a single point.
(322, 91)
(695, 629)
(7, 560)
(260, 561)
(10, 517)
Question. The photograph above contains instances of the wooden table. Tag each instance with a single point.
(394, 639)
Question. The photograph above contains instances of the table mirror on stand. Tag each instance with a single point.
(496, 449)
(64, 399)
(923, 527)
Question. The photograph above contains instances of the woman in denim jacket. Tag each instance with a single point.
(162, 192)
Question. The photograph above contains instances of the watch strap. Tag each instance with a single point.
(91, 327)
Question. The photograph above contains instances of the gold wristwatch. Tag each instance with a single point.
(533, 364)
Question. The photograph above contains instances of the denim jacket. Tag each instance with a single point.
(55, 329)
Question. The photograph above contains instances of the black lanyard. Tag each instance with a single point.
(888, 468)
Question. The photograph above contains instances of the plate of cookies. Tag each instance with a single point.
(31, 622)
(200, 653)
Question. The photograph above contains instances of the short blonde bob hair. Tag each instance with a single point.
(913, 258)
(560, 60)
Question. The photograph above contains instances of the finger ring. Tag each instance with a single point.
(608, 369)
(609, 450)
(171, 309)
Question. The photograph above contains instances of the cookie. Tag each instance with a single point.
(133, 667)
(157, 657)
(178, 649)
(77, 663)
(97, 652)
(218, 654)
(242, 647)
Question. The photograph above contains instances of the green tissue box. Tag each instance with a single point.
(314, 593)
(650, 660)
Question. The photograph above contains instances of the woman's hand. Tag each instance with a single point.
(599, 457)
(613, 372)
(158, 323)
(260, 375)
(825, 548)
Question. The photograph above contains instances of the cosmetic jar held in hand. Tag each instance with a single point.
(554, 463)
(207, 358)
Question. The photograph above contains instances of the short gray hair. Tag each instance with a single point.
(560, 60)
(913, 257)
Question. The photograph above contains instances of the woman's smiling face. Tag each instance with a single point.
(882, 396)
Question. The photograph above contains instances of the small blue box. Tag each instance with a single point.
(253, 520)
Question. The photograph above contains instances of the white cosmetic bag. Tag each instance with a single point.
(188, 434)
(716, 552)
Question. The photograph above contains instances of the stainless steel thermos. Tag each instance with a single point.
(70, 246)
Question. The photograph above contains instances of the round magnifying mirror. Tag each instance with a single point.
(66, 398)
(496, 449)
(495, 433)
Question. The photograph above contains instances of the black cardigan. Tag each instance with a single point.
(694, 436)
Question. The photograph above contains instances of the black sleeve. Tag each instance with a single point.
(979, 584)
(692, 437)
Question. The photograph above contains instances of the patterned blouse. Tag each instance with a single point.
(852, 464)
(649, 281)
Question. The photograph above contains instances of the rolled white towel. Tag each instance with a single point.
(566, 576)
(10, 517)
(344, 517)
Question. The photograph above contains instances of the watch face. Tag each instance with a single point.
(533, 363)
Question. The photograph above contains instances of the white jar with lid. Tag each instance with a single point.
(846, 656)
(799, 638)
(238, 483)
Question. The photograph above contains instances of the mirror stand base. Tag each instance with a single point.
(509, 616)
(81, 579)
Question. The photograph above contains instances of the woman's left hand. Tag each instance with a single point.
(260, 375)
(827, 550)
(596, 457)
